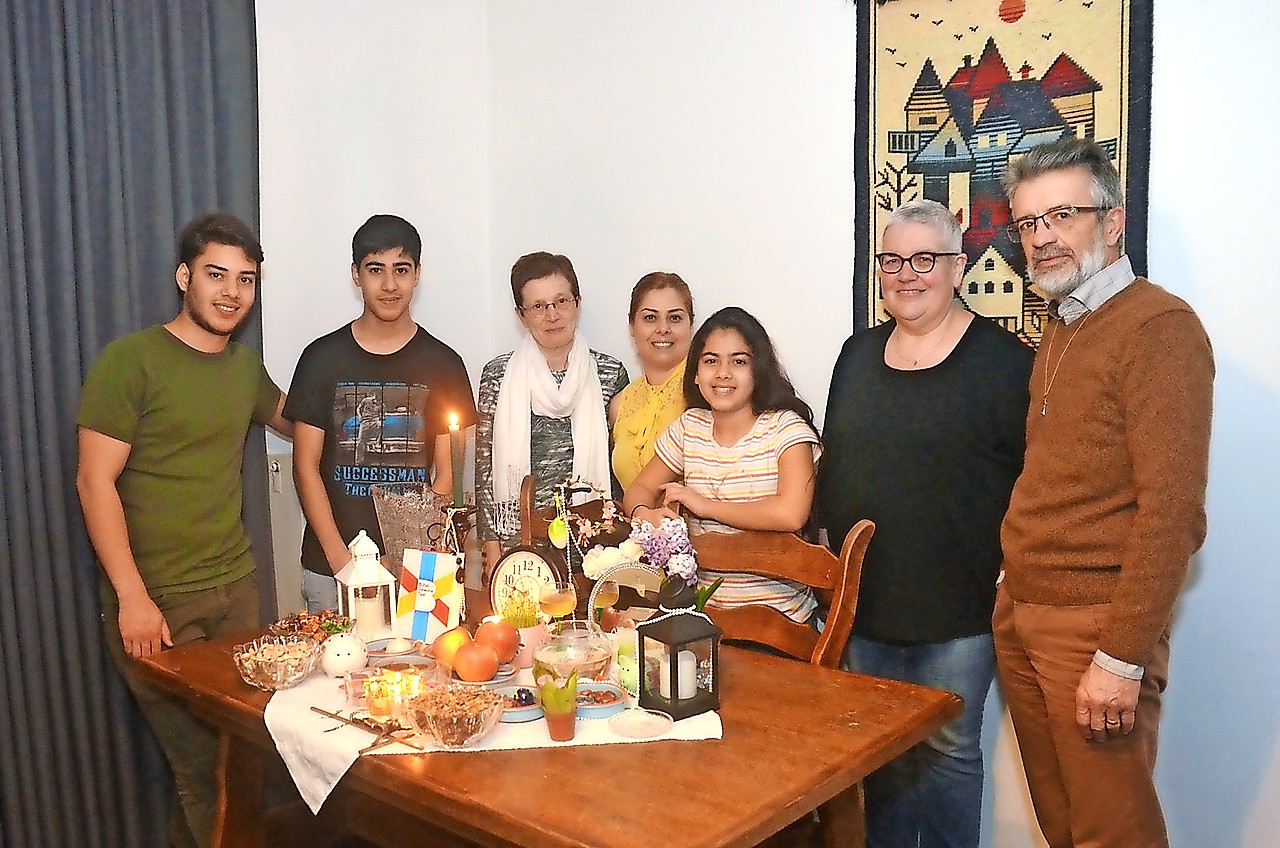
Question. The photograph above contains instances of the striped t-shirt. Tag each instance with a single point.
(745, 471)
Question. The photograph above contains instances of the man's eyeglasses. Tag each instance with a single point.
(921, 263)
(1057, 218)
(539, 309)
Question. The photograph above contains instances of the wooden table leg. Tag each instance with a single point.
(844, 821)
(240, 816)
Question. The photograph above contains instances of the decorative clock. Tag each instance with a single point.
(524, 568)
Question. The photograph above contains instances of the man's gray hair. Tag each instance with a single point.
(933, 214)
(1061, 155)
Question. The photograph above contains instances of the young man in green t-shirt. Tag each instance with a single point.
(162, 423)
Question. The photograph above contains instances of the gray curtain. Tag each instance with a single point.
(119, 120)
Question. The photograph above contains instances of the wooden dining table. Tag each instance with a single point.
(795, 736)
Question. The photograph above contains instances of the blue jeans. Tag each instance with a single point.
(931, 795)
(319, 592)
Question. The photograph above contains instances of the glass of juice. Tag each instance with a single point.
(606, 594)
(557, 598)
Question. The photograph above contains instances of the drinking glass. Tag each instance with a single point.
(558, 598)
(606, 593)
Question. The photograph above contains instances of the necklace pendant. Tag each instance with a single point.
(1044, 406)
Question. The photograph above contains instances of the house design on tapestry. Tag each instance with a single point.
(960, 136)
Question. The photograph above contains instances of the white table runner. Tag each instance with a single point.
(318, 750)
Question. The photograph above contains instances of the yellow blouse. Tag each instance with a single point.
(644, 411)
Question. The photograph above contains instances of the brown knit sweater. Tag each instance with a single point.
(1110, 503)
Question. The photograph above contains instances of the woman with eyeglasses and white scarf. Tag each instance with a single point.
(545, 408)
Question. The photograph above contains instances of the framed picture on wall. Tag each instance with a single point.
(950, 90)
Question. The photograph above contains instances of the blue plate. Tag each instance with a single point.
(515, 715)
(590, 710)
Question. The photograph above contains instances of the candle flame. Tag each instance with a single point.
(453, 421)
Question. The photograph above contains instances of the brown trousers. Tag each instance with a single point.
(1085, 794)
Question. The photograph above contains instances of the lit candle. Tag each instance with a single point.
(455, 457)
(686, 676)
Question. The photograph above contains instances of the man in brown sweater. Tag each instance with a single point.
(1107, 512)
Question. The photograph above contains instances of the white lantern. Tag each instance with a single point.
(366, 590)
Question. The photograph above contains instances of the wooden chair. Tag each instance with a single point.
(534, 521)
(787, 556)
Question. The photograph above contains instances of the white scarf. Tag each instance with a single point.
(528, 385)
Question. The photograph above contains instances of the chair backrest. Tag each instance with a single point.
(787, 556)
(534, 521)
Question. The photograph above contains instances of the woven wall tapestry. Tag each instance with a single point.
(950, 90)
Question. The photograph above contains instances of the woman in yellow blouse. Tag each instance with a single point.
(661, 325)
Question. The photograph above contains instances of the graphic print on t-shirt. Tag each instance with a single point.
(382, 434)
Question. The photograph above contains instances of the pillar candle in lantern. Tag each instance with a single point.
(686, 676)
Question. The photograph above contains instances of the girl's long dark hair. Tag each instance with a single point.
(773, 390)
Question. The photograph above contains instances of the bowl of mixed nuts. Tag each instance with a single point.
(277, 662)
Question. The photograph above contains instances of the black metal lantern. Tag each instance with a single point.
(680, 652)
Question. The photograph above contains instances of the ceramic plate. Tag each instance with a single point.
(592, 710)
(505, 672)
(636, 723)
(515, 715)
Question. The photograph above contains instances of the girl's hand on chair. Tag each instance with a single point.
(676, 495)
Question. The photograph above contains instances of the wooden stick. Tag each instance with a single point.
(382, 737)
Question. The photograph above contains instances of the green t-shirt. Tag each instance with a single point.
(186, 415)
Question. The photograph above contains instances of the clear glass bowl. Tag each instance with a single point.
(574, 645)
(454, 716)
(277, 662)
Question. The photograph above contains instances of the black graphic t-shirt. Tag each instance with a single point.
(380, 414)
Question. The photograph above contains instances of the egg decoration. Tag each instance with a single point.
(343, 652)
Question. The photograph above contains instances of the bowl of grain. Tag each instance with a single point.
(454, 716)
(277, 662)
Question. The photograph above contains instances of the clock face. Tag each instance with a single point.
(520, 569)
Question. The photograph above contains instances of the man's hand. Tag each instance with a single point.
(1106, 704)
(143, 628)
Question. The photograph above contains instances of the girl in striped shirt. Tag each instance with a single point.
(740, 458)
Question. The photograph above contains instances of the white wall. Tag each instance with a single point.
(368, 108)
(714, 139)
(710, 138)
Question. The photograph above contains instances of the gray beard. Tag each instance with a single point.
(1059, 284)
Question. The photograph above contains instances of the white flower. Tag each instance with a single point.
(630, 551)
(683, 565)
(600, 559)
(593, 563)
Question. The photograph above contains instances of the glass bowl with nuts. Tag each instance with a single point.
(277, 662)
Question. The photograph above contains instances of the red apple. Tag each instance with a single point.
(500, 635)
(446, 645)
(475, 663)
